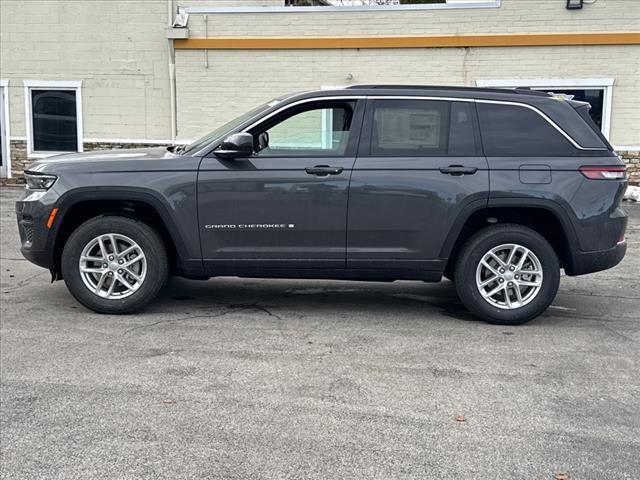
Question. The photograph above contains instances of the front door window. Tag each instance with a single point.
(314, 131)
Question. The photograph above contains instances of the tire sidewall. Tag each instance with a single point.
(148, 240)
(479, 246)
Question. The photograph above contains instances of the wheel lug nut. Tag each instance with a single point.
(502, 270)
(517, 277)
(120, 271)
(110, 257)
(104, 265)
(111, 274)
(120, 262)
(501, 280)
(512, 268)
(510, 284)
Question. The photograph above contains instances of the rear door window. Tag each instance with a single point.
(422, 128)
(511, 130)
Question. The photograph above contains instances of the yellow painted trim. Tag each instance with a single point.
(424, 41)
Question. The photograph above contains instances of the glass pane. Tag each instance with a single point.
(54, 120)
(512, 130)
(410, 128)
(462, 140)
(318, 130)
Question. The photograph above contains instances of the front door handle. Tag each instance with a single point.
(458, 170)
(322, 170)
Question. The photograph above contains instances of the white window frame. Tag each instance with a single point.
(455, 4)
(605, 84)
(71, 85)
(5, 170)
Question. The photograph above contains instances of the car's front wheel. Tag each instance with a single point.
(507, 274)
(114, 264)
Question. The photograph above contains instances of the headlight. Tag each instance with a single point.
(39, 181)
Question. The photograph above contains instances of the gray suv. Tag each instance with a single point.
(496, 190)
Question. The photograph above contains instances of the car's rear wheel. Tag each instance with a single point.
(507, 274)
(114, 264)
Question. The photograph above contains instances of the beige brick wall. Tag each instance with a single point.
(261, 75)
(117, 48)
(514, 16)
(247, 78)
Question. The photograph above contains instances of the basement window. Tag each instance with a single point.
(54, 117)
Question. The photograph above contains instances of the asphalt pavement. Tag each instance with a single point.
(289, 379)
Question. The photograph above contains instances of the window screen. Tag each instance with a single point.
(422, 128)
(513, 130)
(54, 120)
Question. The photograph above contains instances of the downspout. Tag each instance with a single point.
(172, 77)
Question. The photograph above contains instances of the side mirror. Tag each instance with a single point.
(236, 145)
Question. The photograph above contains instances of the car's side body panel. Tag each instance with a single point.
(270, 212)
(400, 212)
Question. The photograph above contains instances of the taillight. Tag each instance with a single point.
(597, 172)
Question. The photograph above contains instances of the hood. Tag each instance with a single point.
(133, 158)
(115, 154)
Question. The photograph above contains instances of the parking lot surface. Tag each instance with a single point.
(246, 378)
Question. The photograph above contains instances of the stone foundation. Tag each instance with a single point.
(19, 159)
(632, 159)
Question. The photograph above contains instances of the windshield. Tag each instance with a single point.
(227, 127)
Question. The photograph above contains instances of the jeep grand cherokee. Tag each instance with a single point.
(495, 189)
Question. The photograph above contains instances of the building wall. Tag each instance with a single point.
(118, 49)
(231, 72)
(206, 77)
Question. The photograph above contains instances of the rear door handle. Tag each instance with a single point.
(322, 170)
(458, 170)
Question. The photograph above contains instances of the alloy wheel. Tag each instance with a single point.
(509, 276)
(113, 266)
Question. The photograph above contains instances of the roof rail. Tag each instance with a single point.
(519, 90)
(529, 91)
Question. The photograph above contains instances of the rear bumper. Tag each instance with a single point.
(590, 262)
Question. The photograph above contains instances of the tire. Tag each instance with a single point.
(507, 307)
(146, 273)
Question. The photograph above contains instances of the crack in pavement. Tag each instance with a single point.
(231, 307)
(23, 283)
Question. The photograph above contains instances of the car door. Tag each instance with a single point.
(419, 165)
(285, 206)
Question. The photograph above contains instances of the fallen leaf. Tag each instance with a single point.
(561, 476)
(168, 402)
(460, 418)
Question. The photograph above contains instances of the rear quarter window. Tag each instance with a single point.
(511, 130)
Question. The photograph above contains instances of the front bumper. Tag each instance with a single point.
(32, 212)
(590, 262)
